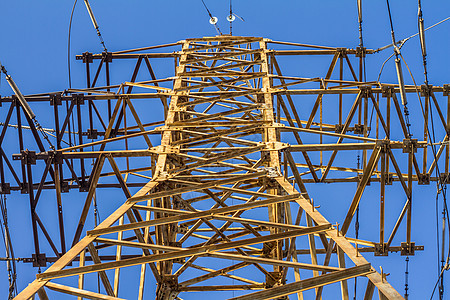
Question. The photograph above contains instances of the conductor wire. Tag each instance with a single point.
(68, 43)
(440, 183)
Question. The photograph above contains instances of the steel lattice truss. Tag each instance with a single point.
(227, 185)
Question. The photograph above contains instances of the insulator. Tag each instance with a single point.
(401, 83)
(91, 14)
(422, 37)
(360, 11)
(213, 20)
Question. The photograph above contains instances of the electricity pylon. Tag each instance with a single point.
(226, 207)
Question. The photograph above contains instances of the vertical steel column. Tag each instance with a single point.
(56, 102)
(80, 142)
(32, 209)
(19, 128)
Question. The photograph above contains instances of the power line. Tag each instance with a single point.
(68, 43)
(403, 41)
(441, 185)
(420, 25)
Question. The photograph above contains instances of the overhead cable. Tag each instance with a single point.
(420, 25)
(68, 43)
(403, 41)
(441, 187)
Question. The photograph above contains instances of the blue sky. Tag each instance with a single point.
(34, 50)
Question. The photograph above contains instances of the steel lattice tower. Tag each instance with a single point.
(228, 184)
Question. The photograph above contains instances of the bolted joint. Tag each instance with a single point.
(425, 91)
(387, 91)
(358, 129)
(423, 179)
(267, 248)
(260, 99)
(342, 51)
(78, 99)
(64, 186)
(28, 157)
(170, 280)
(57, 157)
(87, 57)
(446, 88)
(388, 179)
(181, 228)
(269, 182)
(273, 279)
(409, 145)
(338, 128)
(23, 188)
(381, 249)
(384, 145)
(366, 90)
(107, 57)
(167, 287)
(92, 134)
(55, 99)
(84, 186)
(361, 52)
(5, 188)
(39, 260)
(444, 178)
(408, 249)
